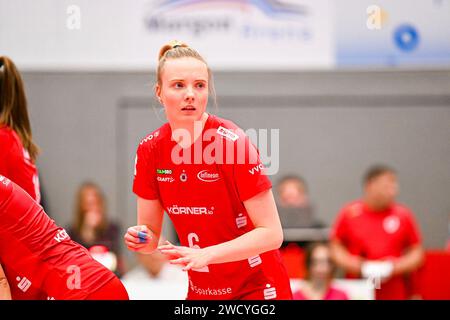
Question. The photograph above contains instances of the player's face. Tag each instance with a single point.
(91, 205)
(384, 188)
(293, 194)
(90, 200)
(184, 89)
(321, 268)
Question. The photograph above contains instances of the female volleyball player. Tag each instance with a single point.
(18, 151)
(39, 259)
(223, 210)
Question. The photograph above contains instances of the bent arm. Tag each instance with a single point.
(344, 259)
(267, 235)
(145, 236)
(410, 261)
(150, 213)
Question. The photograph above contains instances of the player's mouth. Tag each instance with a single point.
(188, 108)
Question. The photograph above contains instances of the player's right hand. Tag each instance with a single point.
(139, 239)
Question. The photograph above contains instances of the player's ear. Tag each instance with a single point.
(158, 92)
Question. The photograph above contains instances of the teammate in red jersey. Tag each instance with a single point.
(206, 174)
(377, 238)
(39, 259)
(19, 152)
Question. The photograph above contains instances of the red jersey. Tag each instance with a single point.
(38, 257)
(16, 164)
(378, 236)
(204, 200)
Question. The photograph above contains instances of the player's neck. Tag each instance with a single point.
(375, 205)
(193, 130)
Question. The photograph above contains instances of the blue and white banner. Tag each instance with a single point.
(123, 34)
(387, 33)
(126, 35)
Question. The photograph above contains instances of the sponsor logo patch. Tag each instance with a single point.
(227, 133)
(208, 176)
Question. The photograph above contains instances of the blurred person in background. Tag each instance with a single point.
(155, 279)
(18, 150)
(377, 238)
(93, 230)
(320, 274)
(293, 203)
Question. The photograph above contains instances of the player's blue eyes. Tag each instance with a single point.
(179, 85)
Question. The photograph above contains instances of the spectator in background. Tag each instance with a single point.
(377, 238)
(294, 206)
(155, 279)
(93, 230)
(320, 274)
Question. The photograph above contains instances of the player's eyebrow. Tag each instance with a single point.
(181, 80)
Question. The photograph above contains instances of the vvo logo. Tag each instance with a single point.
(61, 236)
(256, 169)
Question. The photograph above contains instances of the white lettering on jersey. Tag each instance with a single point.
(4, 180)
(227, 133)
(256, 168)
(190, 210)
(24, 284)
(61, 236)
(165, 179)
(191, 238)
(150, 137)
(254, 261)
(270, 293)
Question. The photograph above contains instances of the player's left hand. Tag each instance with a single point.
(190, 258)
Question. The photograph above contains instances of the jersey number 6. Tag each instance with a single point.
(191, 238)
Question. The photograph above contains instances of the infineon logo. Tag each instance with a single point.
(208, 176)
(163, 171)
